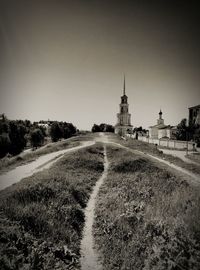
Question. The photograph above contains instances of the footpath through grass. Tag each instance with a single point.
(10, 163)
(152, 150)
(146, 218)
(42, 216)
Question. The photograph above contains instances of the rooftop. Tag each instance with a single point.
(194, 107)
(159, 126)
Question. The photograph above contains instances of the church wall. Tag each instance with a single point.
(169, 143)
(153, 132)
(162, 133)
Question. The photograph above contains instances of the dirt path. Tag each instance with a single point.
(89, 257)
(102, 138)
(194, 178)
(179, 154)
(43, 162)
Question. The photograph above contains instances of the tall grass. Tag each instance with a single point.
(42, 216)
(146, 217)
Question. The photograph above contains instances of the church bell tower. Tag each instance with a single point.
(123, 125)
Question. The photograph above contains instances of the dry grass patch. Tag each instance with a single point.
(42, 216)
(146, 218)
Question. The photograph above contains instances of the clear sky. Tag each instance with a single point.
(64, 60)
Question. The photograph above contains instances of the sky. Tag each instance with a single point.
(65, 60)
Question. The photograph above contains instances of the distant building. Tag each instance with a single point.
(194, 115)
(160, 130)
(46, 125)
(123, 125)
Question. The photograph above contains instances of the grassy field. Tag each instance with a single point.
(195, 157)
(146, 217)
(42, 216)
(152, 150)
(10, 163)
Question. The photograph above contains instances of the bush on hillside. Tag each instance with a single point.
(36, 138)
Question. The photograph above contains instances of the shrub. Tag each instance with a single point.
(36, 138)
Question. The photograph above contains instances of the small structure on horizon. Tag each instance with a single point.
(160, 130)
(123, 125)
(46, 125)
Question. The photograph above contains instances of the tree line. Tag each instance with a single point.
(60, 130)
(102, 128)
(188, 132)
(15, 135)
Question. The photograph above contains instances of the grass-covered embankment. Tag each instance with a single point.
(154, 151)
(10, 163)
(194, 157)
(42, 216)
(146, 217)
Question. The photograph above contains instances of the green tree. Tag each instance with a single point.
(17, 137)
(109, 128)
(184, 132)
(55, 132)
(66, 132)
(4, 126)
(43, 130)
(36, 138)
(72, 128)
(102, 127)
(4, 144)
(68, 129)
(95, 128)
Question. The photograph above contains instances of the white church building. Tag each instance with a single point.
(160, 130)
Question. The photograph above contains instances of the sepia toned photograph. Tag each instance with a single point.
(99, 135)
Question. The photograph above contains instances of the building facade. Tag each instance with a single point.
(160, 130)
(153, 130)
(123, 125)
(194, 115)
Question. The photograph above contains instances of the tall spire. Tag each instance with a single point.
(124, 89)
